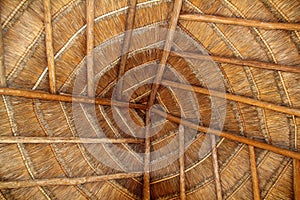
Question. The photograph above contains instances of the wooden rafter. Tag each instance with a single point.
(166, 52)
(90, 15)
(216, 167)
(65, 181)
(66, 98)
(2, 66)
(146, 184)
(232, 97)
(296, 167)
(254, 175)
(73, 140)
(49, 46)
(240, 22)
(181, 162)
(240, 62)
(230, 136)
(126, 43)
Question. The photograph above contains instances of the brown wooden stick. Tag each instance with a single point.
(181, 163)
(240, 22)
(216, 167)
(230, 136)
(126, 44)
(90, 15)
(232, 97)
(255, 182)
(2, 66)
(147, 160)
(296, 166)
(65, 181)
(49, 46)
(72, 140)
(239, 62)
(166, 53)
(66, 98)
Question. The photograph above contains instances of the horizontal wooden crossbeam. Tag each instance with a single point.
(230, 136)
(232, 97)
(65, 181)
(240, 62)
(240, 22)
(67, 98)
(73, 140)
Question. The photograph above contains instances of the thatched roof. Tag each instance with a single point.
(150, 99)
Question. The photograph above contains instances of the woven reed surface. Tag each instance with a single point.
(25, 61)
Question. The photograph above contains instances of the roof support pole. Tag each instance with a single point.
(241, 22)
(90, 15)
(237, 98)
(181, 162)
(49, 46)
(147, 160)
(230, 136)
(166, 52)
(2, 66)
(254, 175)
(216, 167)
(296, 166)
(126, 43)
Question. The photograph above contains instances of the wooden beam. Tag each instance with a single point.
(166, 52)
(126, 43)
(254, 175)
(65, 181)
(147, 160)
(49, 46)
(67, 98)
(72, 140)
(2, 66)
(232, 97)
(239, 62)
(90, 16)
(240, 22)
(181, 163)
(296, 167)
(227, 135)
(216, 167)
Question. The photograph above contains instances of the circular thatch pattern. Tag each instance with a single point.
(26, 68)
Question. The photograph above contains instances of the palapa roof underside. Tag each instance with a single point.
(207, 102)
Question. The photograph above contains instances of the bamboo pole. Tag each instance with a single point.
(239, 62)
(296, 166)
(65, 181)
(232, 97)
(147, 160)
(67, 98)
(166, 52)
(90, 15)
(240, 22)
(126, 44)
(2, 66)
(216, 167)
(230, 136)
(49, 46)
(181, 163)
(254, 175)
(72, 140)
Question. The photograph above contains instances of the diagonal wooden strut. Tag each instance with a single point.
(232, 97)
(166, 52)
(230, 136)
(147, 160)
(2, 66)
(65, 181)
(240, 62)
(254, 175)
(216, 167)
(296, 177)
(49, 46)
(240, 22)
(67, 98)
(69, 140)
(126, 44)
